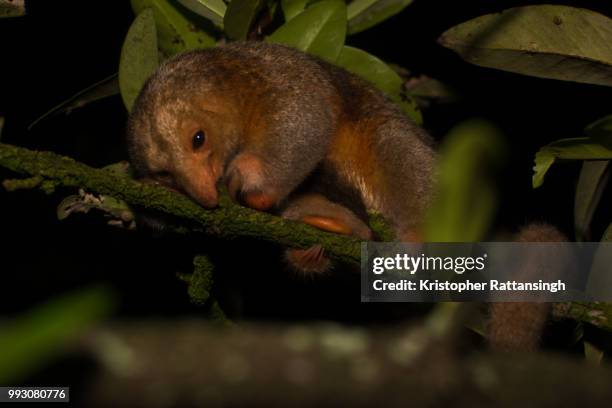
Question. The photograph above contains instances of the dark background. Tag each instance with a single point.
(62, 47)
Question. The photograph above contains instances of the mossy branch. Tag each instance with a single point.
(227, 221)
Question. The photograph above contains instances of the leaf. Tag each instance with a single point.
(1, 126)
(239, 17)
(139, 57)
(593, 179)
(443, 318)
(577, 334)
(176, 32)
(30, 341)
(545, 41)
(580, 148)
(601, 131)
(12, 8)
(381, 76)
(592, 353)
(117, 211)
(292, 8)
(363, 14)
(320, 30)
(600, 279)
(105, 88)
(465, 201)
(428, 90)
(69, 205)
(607, 235)
(213, 10)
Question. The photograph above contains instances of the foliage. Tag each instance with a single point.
(139, 57)
(29, 341)
(558, 42)
(547, 41)
(12, 8)
(318, 28)
(465, 202)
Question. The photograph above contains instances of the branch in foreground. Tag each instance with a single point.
(228, 221)
(189, 363)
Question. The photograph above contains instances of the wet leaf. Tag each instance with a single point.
(363, 14)
(546, 41)
(319, 30)
(139, 57)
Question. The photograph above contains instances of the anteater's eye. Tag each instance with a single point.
(198, 139)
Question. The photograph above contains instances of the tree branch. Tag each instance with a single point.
(228, 221)
(167, 364)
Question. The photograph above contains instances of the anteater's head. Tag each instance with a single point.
(182, 131)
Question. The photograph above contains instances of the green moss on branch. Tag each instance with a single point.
(227, 221)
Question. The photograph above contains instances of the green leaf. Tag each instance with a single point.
(427, 90)
(363, 14)
(607, 235)
(371, 69)
(593, 179)
(118, 211)
(381, 76)
(239, 17)
(601, 131)
(592, 353)
(320, 30)
(105, 88)
(12, 8)
(176, 32)
(580, 148)
(292, 8)
(213, 10)
(30, 341)
(600, 279)
(465, 201)
(546, 41)
(139, 57)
